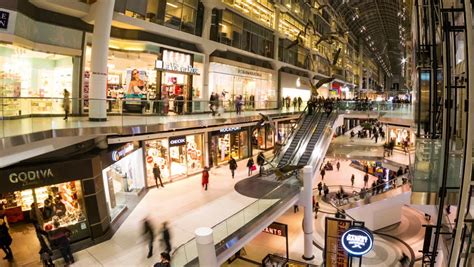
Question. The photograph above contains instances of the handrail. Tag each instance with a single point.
(289, 182)
(369, 191)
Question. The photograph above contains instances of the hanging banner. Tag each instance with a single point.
(335, 254)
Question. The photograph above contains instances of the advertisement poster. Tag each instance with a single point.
(335, 255)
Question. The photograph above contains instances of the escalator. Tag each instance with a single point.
(307, 125)
(304, 159)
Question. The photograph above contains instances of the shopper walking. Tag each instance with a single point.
(366, 179)
(316, 210)
(59, 238)
(66, 103)
(250, 166)
(320, 187)
(323, 172)
(5, 239)
(157, 175)
(212, 103)
(165, 260)
(295, 208)
(352, 180)
(260, 162)
(166, 237)
(338, 165)
(300, 101)
(205, 178)
(238, 104)
(232, 166)
(149, 234)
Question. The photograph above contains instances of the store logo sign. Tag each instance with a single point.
(171, 66)
(249, 72)
(176, 141)
(30, 176)
(230, 130)
(278, 229)
(120, 153)
(357, 241)
(4, 19)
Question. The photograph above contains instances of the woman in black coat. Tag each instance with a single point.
(5, 240)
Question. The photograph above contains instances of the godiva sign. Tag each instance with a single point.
(26, 177)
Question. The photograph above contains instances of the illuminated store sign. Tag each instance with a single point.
(176, 62)
(30, 176)
(4, 19)
(357, 241)
(278, 229)
(177, 140)
(122, 152)
(230, 130)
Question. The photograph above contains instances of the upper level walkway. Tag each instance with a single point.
(36, 127)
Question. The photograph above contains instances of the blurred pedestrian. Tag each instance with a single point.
(323, 172)
(316, 210)
(338, 165)
(352, 180)
(5, 239)
(295, 208)
(205, 178)
(320, 188)
(149, 234)
(232, 166)
(260, 162)
(366, 179)
(250, 166)
(157, 175)
(166, 237)
(66, 103)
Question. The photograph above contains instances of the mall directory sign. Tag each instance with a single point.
(334, 253)
(357, 241)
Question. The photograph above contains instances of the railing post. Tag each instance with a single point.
(205, 247)
(307, 200)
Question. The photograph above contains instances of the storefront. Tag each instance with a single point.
(401, 135)
(177, 157)
(263, 138)
(254, 85)
(227, 142)
(124, 179)
(37, 61)
(284, 130)
(47, 195)
(293, 88)
(142, 73)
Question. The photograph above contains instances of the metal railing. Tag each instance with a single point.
(187, 251)
(372, 191)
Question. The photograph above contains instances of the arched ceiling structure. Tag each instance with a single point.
(382, 25)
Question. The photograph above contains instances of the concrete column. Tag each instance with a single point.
(205, 247)
(209, 5)
(104, 10)
(307, 201)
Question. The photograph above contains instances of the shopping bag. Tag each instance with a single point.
(253, 168)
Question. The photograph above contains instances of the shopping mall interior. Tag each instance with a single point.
(236, 133)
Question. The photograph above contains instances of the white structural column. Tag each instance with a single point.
(276, 32)
(104, 10)
(205, 247)
(307, 200)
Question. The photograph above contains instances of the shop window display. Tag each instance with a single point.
(194, 153)
(123, 178)
(28, 73)
(233, 144)
(157, 152)
(178, 160)
(60, 202)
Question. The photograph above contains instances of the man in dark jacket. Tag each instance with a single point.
(5, 239)
(260, 162)
(166, 237)
(232, 166)
(59, 238)
(157, 175)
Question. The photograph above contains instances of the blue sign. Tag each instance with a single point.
(357, 241)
